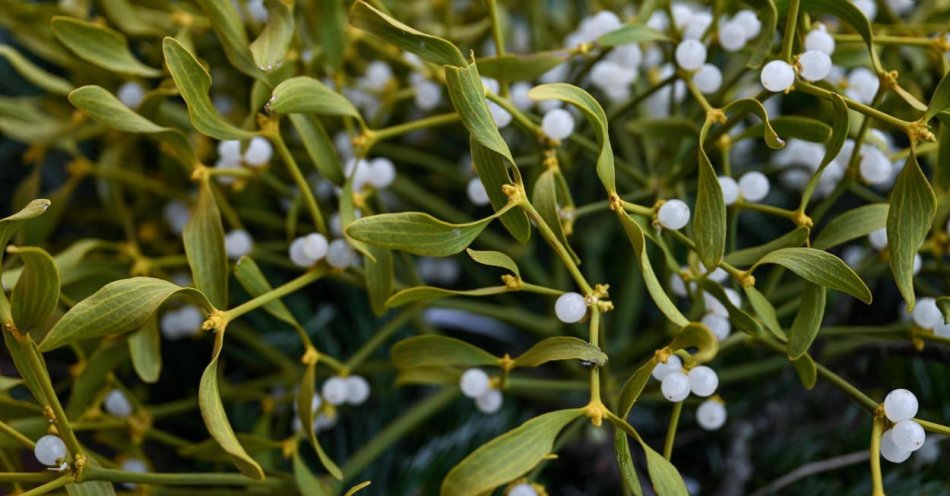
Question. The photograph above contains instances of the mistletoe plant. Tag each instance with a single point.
(250, 178)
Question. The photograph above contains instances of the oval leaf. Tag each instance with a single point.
(561, 348)
(807, 321)
(417, 233)
(427, 351)
(204, 246)
(429, 293)
(494, 259)
(305, 95)
(913, 206)
(100, 46)
(853, 224)
(821, 268)
(37, 291)
(145, 348)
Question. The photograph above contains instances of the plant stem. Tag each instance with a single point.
(790, 26)
(499, 38)
(854, 105)
(380, 337)
(400, 129)
(16, 435)
(302, 184)
(175, 479)
(303, 280)
(877, 483)
(555, 243)
(27, 476)
(594, 339)
(49, 486)
(671, 430)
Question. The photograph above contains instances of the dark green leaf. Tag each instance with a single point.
(806, 370)
(709, 218)
(33, 73)
(493, 171)
(417, 233)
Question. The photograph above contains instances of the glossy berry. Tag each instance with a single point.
(489, 402)
(730, 189)
(570, 308)
(673, 214)
(49, 450)
(749, 21)
(117, 404)
(523, 489)
(878, 239)
(819, 39)
(900, 405)
(711, 415)
(690, 55)
(718, 325)
(908, 435)
(875, 167)
(814, 65)
(927, 314)
(334, 390)
(558, 124)
(474, 383)
(675, 386)
(673, 363)
(229, 150)
(382, 172)
(259, 152)
(777, 76)
(315, 246)
(238, 243)
(703, 381)
(890, 451)
(708, 79)
(131, 94)
(731, 36)
(476, 192)
(340, 254)
(862, 85)
(357, 390)
(754, 186)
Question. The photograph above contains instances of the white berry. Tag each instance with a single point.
(523, 489)
(730, 189)
(819, 39)
(875, 167)
(474, 383)
(489, 402)
(890, 451)
(675, 386)
(661, 370)
(131, 94)
(229, 150)
(899, 405)
(754, 186)
(673, 214)
(777, 76)
(297, 255)
(908, 435)
(570, 308)
(117, 404)
(49, 450)
(814, 65)
(315, 246)
(382, 172)
(498, 114)
(708, 79)
(703, 381)
(927, 314)
(711, 415)
(862, 85)
(357, 390)
(690, 54)
(731, 36)
(878, 239)
(340, 254)
(238, 243)
(334, 390)
(749, 21)
(719, 325)
(258, 152)
(558, 124)
(476, 192)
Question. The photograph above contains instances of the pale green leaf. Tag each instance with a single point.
(145, 348)
(429, 293)
(357, 488)
(229, 27)
(35, 74)
(634, 386)
(319, 147)
(508, 456)
(194, 83)
(305, 95)
(468, 97)
(625, 463)
(561, 348)
(631, 33)
(913, 206)
(806, 370)
(791, 126)
(545, 201)
(696, 335)
(766, 312)
(100, 46)
(306, 413)
(428, 351)
(821, 268)
(427, 47)
(36, 293)
(493, 171)
(518, 67)
(417, 233)
(494, 259)
(118, 307)
(271, 45)
(129, 18)
(306, 482)
(664, 476)
(753, 106)
(807, 321)
(853, 224)
(204, 246)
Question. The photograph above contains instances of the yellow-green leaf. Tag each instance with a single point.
(126, 16)
(696, 335)
(494, 259)
(194, 83)
(625, 463)
(634, 386)
(378, 272)
(417, 233)
(807, 321)
(792, 126)
(594, 113)
(751, 255)
(118, 307)
(631, 33)
(270, 47)
(853, 224)
(913, 207)
(508, 456)
(229, 27)
(37, 291)
(8, 227)
(468, 97)
(306, 95)
(821, 268)
(806, 370)
(753, 106)
(545, 200)
(251, 278)
(944, 304)
(429, 293)
(766, 312)
(427, 47)
(306, 482)
(664, 476)
(561, 348)
(492, 170)
(518, 67)
(204, 246)
(319, 148)
(145, 348)
(428, 351)
(306, 414)
(709, 219)
(33, 73)
(100, 46)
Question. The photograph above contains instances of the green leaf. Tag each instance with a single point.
(561, 348)
(659, 296)
(271, 45)
(739, 317)
(709, 218)
(306, 482)
(8, 383)
(845, 11)
(913, 207)
(821, 268)
(467, 93)
(762, 45)
(941, 172)
(378, 272)
(508, 456)
(753, 106)
(128, 18)
(417, 233)
(118, 307)
(430, 48)
(216, 420)
(229, 27)
(8, 227)
(595, 116)
(305, 412)
(664, 476)
(766, 312)
(545, 200)
(194, 83)
(305, 95)
(145, 348)
(253, 281)
(331, 14)
(36, 293)
(806, 370)
(840, 125)
(492, 170)
(792, 126)
(634, 386)
(429, 293)
(625, 463)
(427, 351)
(494, 259)
(107, 356)
(944, 303)
(940, 100)
(853, 224)
(104, 108)
(518, 67)
(19, 347)
(696, 335)
(99, 45)
(357, 488)
(319, 148)
(807, 320)
(749, 256)
(33, 73)
(631, 33)
(204, 246)
(69, 262)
